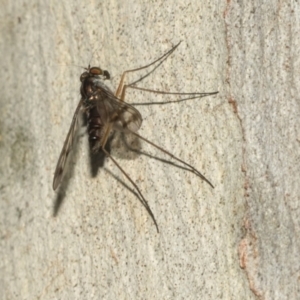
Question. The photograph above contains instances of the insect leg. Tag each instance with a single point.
(191, 168)
(142, 199)
(189, 96)
(120, 93)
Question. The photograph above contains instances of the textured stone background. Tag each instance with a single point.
(237, 241)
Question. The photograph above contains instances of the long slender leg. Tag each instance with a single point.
(191, 168)
(190, 96)
(120, 93)
(143, 200)
(121, 90)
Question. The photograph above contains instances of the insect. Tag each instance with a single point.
(107, 112)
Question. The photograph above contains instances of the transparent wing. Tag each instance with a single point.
(123, 116)
(59, 171)
(120, 114)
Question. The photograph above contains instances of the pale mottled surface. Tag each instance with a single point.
(102, 244)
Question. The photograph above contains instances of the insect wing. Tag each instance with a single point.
(59, 171)
(122, 115)
(126, 117)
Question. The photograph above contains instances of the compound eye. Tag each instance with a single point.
(95, 71)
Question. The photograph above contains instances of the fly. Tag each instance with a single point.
(107, 112)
